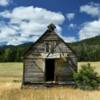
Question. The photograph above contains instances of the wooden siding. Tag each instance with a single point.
(34, 71)
(64, 71)
(34, 60)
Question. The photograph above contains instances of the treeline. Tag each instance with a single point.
(87, 50)
(13, 53)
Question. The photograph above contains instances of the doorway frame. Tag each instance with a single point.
(54, 70)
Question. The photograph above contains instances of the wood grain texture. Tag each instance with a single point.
(34, 60)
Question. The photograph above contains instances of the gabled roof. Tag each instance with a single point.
(51, 28)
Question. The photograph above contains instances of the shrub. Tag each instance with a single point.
(87, 78)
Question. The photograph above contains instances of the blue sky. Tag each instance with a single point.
(25, 20)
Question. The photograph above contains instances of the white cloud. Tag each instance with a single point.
(27, 24)
(71, 25)
(70, 16)
(69, 39)
(34, 14)
(90, 29)
(92, 9)
(4, 2)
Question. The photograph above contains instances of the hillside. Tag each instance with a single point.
(86, 50)
(90, 41)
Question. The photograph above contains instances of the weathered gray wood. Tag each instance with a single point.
(33, 71)
(34, 59)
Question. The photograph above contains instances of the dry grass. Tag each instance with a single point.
(12, 91)
(11, 72)
(11, 69)
(10, 87)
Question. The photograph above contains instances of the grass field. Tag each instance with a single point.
(96, 65)
(10, 87)
(11, 72)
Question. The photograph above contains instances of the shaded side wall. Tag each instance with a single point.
(64, 71)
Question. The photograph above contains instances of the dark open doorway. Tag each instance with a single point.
(49, 69)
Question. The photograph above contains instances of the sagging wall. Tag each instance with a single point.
(34, 70)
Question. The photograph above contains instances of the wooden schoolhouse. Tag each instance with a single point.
(49, 60)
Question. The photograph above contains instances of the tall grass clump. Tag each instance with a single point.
(87, 78)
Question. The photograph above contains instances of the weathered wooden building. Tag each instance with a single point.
(49, 60)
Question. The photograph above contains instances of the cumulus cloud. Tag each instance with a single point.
(70, 16)
(92, 9)
(26, 24)
(4, 2)
(90, 29)
(35, 14)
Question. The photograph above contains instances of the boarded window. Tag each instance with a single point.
(47, 47)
